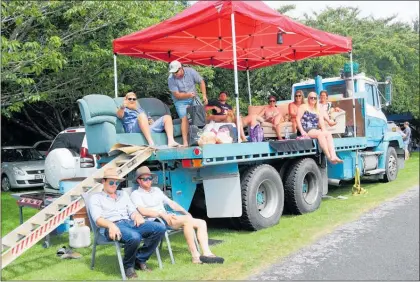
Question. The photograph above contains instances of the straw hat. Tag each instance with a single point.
(142, 171)
(110, 173)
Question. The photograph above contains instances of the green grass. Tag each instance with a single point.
(245, 252)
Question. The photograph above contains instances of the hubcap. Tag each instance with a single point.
(392, 166)
(267, 198)
(5, 184)
(310, 189)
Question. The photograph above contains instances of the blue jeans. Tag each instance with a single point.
(151, 232)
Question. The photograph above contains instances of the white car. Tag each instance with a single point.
(68, 158)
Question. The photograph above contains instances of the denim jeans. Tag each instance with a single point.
(150, 232)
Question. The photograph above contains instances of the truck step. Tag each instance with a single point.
(375, 171)
(370, 153)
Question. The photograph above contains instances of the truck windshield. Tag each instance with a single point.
(20, 155)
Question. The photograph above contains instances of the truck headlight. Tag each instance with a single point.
(18, 171)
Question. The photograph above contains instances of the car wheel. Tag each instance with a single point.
(5, 183)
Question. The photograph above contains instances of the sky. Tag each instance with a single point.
(406, 10)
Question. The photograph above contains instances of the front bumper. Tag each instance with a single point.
(27, 181)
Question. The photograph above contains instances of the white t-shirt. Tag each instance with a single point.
(155, 199)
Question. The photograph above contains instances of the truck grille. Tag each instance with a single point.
(35, 171)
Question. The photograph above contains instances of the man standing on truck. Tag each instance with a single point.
(135, 120)
(181, 83)
(406, 139)
(113, 210)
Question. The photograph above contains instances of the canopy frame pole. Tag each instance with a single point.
(249, 88)
(235, 71)
(115, 76)
(352, 86)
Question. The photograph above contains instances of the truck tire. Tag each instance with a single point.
(391, 165)
(303, 188)
(262, 197)
(285, 168)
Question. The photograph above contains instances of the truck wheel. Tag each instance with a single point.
(285, 168)
(303, 188)
(262, 197)
(391, 165)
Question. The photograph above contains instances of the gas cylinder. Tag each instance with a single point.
(79, 234)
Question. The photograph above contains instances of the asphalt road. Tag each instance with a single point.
(382, 245)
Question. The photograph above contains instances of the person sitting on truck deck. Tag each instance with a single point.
(150, 203)
(293, 109)
(271, 114)
(327, 107)
(223, 112)
(310, 124)
(113, 210)
(181, 83)
(135, 120)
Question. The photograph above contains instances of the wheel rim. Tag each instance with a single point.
(267, 198)
(5, 184)
(392, 166)
(310, 189)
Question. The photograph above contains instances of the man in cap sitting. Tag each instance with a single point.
(181, 83)
(150, 203)
(114, 211)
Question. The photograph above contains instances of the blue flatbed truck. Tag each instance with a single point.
(252, 183)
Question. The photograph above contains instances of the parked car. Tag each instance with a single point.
(68, 157)
(43, 146)
(21, 167)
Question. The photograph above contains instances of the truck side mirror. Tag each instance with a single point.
(388, 91)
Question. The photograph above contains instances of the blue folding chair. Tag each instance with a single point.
(100, 239)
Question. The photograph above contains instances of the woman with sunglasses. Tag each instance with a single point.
(272, 114)
(293, 108)
(327, 107)
(310, 123)
(135, 120)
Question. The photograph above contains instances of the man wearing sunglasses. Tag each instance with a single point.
(114, 211)
(181, 83)
(135, 120)
(150, 203)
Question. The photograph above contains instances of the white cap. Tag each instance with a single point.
(174, 66)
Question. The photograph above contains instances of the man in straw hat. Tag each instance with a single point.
(114, 211)
(150, 203)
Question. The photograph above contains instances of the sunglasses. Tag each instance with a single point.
(312, 98)
(132, 99)
(150, 178)
(112, 182)
(298, 95)
(178, 71)
(272, 101)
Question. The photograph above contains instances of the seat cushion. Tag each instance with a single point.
(138, 139)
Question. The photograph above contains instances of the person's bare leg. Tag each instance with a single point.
(322, 140)
(331, 148)
(184, 131)
(187, 225)
(169, 129)
(145, 128)
(216, 118)
(202, 236)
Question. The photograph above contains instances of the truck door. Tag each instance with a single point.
(376, 120)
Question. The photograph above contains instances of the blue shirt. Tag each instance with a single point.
(130, 118)
(102, 205)
(184, 84)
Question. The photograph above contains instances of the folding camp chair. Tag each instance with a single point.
(100, 239)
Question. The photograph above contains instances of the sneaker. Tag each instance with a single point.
(130, 273)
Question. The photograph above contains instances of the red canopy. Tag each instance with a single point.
(202, 35)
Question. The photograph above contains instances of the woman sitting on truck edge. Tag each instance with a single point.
(293, 108)
(310, 124)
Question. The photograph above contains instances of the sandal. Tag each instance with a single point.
(212, 259)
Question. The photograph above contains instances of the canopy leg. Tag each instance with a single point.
(235, 71)
(115, 76)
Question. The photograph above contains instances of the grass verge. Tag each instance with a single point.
(245, 252)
